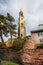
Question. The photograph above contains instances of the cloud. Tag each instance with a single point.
(32, 9)
(2, 8)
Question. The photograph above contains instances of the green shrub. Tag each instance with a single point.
(18, 44)
(10, 63)
(1, 44)
(39, 46)
(0, 59)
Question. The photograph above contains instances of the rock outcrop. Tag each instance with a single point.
(29, 45)
(30, 55)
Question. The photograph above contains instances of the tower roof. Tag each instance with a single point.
(21, 12)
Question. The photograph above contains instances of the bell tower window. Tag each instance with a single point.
(21, 35)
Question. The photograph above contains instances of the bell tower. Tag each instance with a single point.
(21, 25)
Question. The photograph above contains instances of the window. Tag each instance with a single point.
(21, 14)
(41, 40)
(40, 33)
(21, 35)
(22, 24)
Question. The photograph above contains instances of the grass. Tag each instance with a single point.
(10, 63)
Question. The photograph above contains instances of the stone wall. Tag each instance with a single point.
(26, 57)
(32, 57)
(8, 55)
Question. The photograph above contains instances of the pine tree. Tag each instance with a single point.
(3, 27)
(11, 26)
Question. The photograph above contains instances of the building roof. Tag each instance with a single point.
(40, 24)
(35, 31)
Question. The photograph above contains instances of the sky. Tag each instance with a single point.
(32, 9)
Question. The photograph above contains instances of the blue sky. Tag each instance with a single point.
(32, 9)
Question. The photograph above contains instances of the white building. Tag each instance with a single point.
(37, 35)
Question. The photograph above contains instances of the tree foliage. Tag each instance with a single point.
(7, 26)
(3, 27)
(11, 26)
(18, 44)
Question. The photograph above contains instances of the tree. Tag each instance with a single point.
(11, 25)
(3, 27)
(7, 26)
